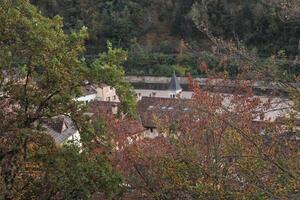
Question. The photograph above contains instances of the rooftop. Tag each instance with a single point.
(174, 84)
(60, 128)
(164, 110)
(127, 128)
(88, 89)
(102, 108)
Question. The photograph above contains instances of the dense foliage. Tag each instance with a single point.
(220, 153)
(156, 32)
(41, 72)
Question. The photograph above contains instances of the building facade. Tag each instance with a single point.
(173, 91)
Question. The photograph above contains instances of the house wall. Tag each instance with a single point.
(155, 79)
(160, 94)
(75, 138)
(107, 93)
(201, 81)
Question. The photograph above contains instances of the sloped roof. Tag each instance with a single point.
(60, 128)
(174, 84)
(88, 90)
(127, 127)
(102, 108)
(165, 110)
(56, 124)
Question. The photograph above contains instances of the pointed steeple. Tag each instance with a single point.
(174, 83)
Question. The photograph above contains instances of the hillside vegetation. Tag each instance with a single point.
(212, 146)
(161, 35)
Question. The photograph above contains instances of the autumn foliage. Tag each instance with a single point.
(222, 150)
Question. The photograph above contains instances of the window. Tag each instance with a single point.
(114, 97)
(151, 130)
(111, 88)
(153, 94)
(172, 96)
(108, 99)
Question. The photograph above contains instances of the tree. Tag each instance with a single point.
(108, 69)
(117, 21)
(221, 153)
(253, 22)
(40, 74)
(266, 26)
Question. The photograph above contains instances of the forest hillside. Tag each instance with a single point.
(162, 35)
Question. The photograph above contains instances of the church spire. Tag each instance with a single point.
(174, 83)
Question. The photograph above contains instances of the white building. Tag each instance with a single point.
(62, 129)
(101, 92)
(280, 107)
(89, 94)
(106, 93)
(174, 91)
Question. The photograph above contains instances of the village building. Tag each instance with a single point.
(172, 89)
(89, 93)
(102, 92)
(159, 115)
(124, 131)
(62, 129)
(161, 108)
(162, 113)
(102, 109)
(127, 132)
(106, 93)
(150, 86)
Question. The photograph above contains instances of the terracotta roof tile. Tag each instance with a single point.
(127, 127)
(102, 108)
(119, 127)
(165, 110)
